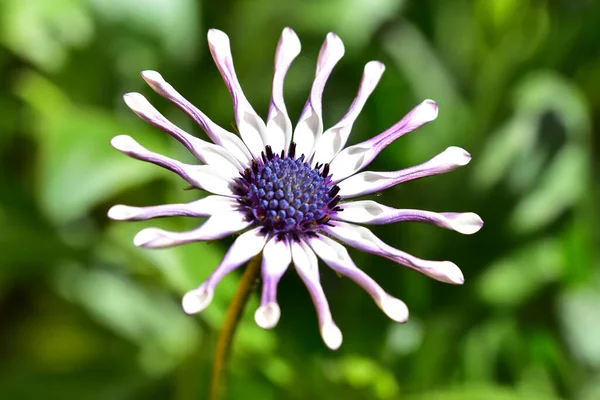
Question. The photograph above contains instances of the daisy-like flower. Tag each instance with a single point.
(290, 190)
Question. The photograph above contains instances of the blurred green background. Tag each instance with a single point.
(85, 314)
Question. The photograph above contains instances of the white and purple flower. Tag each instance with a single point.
(289, 190)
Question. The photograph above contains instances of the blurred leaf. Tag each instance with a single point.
(145, 316)
(580, 319)
(78, 168)
(36, 29)
(173, 22)
(514, 279)
(475, 392)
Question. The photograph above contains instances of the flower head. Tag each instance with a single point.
(289, 190)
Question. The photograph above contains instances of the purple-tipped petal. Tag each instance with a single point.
(206, 152)
(310, 125)
(306, 264)
(336, 256)
(215, 227)
(230, 141)
(371, 212)
(204, 207)
(334, 139)
(370, 182)
(354, 158)
(277, 257)
(202, 176)
(279, 126)
(246, 246)
(251, 127)
(363, 239)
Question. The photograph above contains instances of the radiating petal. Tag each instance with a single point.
(204, 177)
(370, 182)
(230, 141)
(204, 207)
(354, 158)
(306, 264)
(277, 257)
(363, 239)
(209, 153)
(246, 246)
(310, 125)
(336, 256)
(252, 128)
(371, 212)
(279, 126)
(215, 227)
(334, 139)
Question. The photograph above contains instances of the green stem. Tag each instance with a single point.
(232, 319)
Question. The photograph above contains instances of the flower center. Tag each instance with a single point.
(286, 195)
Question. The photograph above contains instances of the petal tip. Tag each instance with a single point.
(394, 308)
(332, 336)
(267, 316)
(120, 212)
(149, 237)
(124, 143)
(429, 110)
(196, 300)
(217, 38)
(151, 76)
(457, 155)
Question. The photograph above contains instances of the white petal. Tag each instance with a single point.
(246, 246)
(370, 182)
(197, 300)
(371, 212)
(355, 158)
(335, 138)
(310, 125)
(202, 176)
(306, 264)
(251, 127)
(337, 258)
(209, 153)
(363, 239)
(230, 141)
(279, 126)
(204, 207)
(267, 316)
(215, 227)
(332, 335)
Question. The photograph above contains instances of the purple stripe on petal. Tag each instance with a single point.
(363, 239)
(355, 158)
(252, 128)
(306, 264)
(206, 152)
(336, 256)
(370, 182)
(279, 126)
(310, 125)
(202, 176)
(277, 257)
(335, 138)
(246, 246)
(230, 141)
(371, 212)
(215, 227)
(204, 207)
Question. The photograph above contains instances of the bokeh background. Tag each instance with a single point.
(85, 314)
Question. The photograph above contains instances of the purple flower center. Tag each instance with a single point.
(285, 194)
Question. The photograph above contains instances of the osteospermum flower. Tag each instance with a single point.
(290, 191)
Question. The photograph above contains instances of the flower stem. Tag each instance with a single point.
(232, 319)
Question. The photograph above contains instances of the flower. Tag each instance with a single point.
(288, 189)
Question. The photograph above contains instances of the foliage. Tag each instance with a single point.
(85, 314)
